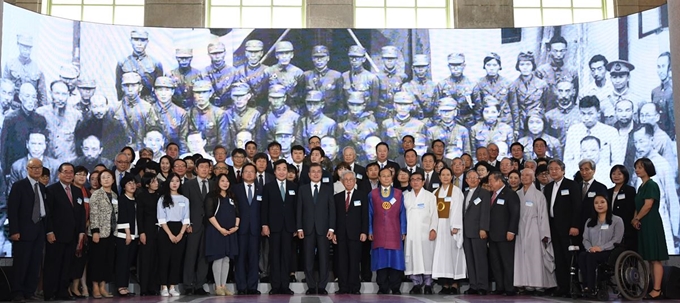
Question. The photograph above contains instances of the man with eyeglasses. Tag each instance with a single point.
(458, 87)
(139, 62)
(556, 68)
(122, 168)
(183, 76)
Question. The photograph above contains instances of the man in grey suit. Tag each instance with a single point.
(477, 210)
(195, 264)
(316, 225)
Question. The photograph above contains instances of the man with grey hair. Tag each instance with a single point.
(589, 188)
(531, 164)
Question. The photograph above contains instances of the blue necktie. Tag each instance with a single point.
(120, 177)
(250, 194)
(316, 192)
(283, 192)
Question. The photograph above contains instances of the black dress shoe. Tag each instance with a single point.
(396, 292)
(293, 279)
(18, 298)
(445, 291)
(241, 293)
(510, 293)
(322, 292)
(356, 292)
(189, 292)
(264, 279)
(253, 292)
(497, 292)
(453, 291)
(471, 291)
(273, 292)
(286, 291)
(66, 298)
(482, 292)
(311, 291)
(200, 292)
(428, 290)
(416, 290)
(341, 292)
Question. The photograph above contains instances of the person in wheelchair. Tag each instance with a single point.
(600, 234)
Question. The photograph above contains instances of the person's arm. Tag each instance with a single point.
(587, 244)
(298, 219)
(331, 211)
(402, 219)
(162, 216)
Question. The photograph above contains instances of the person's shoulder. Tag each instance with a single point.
(617, 220)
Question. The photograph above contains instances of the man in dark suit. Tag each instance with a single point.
(504, 222)
(351, 209)
(459, 176)
(382, 152)
(262, 177)
(316, 156)
(274, 150)
(65, 232)
(411, 161)
(564, 211)
(349, 156)
(316, 225)
(278, 223)
(195, 264)
(249, 195)
(121, 168)
(589, 189)
(432, 181)
(493, 155)
(26, 208)
(476, 214)
(297, 155)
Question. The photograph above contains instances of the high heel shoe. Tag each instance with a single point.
(657, 297)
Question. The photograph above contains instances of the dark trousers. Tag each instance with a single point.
(477, 263)
(588, 262)
(195, 264)
(366, 273)
(280, 246)
(147, 270)
(389, 279)
(296, 255)
(170, 255)
(312, 242)
(247, 262)
(101, 263)
(56, 276)
(562, 259)
(27, 258)
(349, 255)
(502, 259)
(125, 257)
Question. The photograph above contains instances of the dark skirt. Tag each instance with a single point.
(101, 259)
(78, 263)
(218, 246)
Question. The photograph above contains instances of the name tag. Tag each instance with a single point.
(529, 203)
(591, 194)
(605, 226)
(435, 185)
(357, 203)
(500, 201)
(259, 198)
(476, 201)
(182, 204)
(421, 205)
(231, 201)
(291, 192)
(80, 201)
(564, 192)
(325, 180)
(114, 201)
(360, 177)
(621, 196)
(87, 200)
(393, 200)
(447, 199)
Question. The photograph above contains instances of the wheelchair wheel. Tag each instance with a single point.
(631, 275)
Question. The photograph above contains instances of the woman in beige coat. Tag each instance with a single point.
(103, 218)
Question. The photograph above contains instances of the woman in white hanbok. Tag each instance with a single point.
(449, 259)
(534, 256)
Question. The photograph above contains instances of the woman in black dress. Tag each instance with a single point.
(622, 196)
(126, 234)
(221, 243)
(147, 220)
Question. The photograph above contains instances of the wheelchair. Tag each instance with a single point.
(625, 273)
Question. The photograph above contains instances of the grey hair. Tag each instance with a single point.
(530, 161)
(348, 172)
(558, 162)
(584, 161)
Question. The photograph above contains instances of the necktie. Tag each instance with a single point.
(68, 193)
(283, 192)
(299, 170)
(316, 192)
(455, 182)
(382, 165)
(35, 216)
(427, 180)
(238, 176)
(204, 188)
(411, 170)
(260, 179)
(493, 198)
(347, 201)
(120, 177)
(584, 190)
(250, 194)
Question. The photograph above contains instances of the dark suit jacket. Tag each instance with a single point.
(114, 187)
(192, 190)
(279, 215)
(434, 179)
(463, 184)
(353, 222)
(625, 208)
(267, 178)
(66, 221)
(567, 209)
(20, 210)
(476, 217)
(504, 215)
(325, 175)
(587, 207)
(249, 214)
(394, 165)
(320, 216)
(363, 183)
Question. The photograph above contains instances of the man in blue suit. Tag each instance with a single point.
(249, 197)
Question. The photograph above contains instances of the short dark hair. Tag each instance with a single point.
(61, 166)
(372, 164)
(598, 58)
(45, 172)
(539, 139)
(79, 169)
(589, 101)
(428, 155)
(312, 137)
(298, 147)
(557, 39)
(436, 141)
(237, 151)
(259, 156)
(171, 144)
(647, 165)
(315, 165)
(420, 173)
(408, 136)
(273, 144)
(648, 129)
(516, 144)
(203, 161)
(382, 143)
(411, 150)
(132, 151)
(279, 162)
(219, 146)
(623, 170)
(497, 175)
(251, 142)
(147, 178)
(319, 149)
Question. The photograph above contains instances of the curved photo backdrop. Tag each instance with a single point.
(77, 91)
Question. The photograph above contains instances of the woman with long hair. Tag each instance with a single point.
(166, 166)
(78, 266)
(221, 243)
(173, 216)
(147, 220)
(103, 218)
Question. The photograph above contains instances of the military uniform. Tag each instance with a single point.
(455, 136)
(460, 89)
(498, 87)
(221, 78)
(482, 134)
(289, 76)
(662, 96)
(354, 130)
(83, 106)
(320, 126)
(559, 120)
(554, 147)
(622, 66)
(69, 74)
(273, 117)
(210, 121)
(172, 119)
(135, 116)
(393, 129)
(329, 82)
(147, 67)
(423, 90)
(255, 77)
(361, 81)
(20, 71)
(61, 129)
(184, 80)
(549, 73)
(390, 83)
(529, 95)
(240, 121)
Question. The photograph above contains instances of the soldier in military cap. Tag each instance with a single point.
(207, 118)
(556, 67)
(315, 123)
(288, 75)
(565, 112)
(285, 135)
(619, 73)
(220, 75)
(240, 116)
(391, 80)
(278, 112)
(24, 70)
(490, 129)
(358, 79)
(133, 113)
(327, 81)
(459, 87)
(662, 95)
(69, 74)
(253, 74)
(456, 137)
(147, 67)
(359, 124)
(493, 84)
(184, 76)
(394, 129)
(86, 89)
(527, 91)
(422, 88)
(173, 120)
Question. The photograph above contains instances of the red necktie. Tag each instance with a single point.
(347, 201)
(493, 198)
(68, 193)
